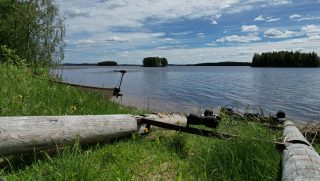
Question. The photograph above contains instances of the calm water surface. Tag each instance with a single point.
(191, 89)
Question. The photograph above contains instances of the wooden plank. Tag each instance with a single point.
(190, 130)
(300, 161)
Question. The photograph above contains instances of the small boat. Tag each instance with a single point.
(107, 93)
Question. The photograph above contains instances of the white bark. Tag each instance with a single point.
(300, 161)
(23, 134)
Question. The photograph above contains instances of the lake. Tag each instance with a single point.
(194, 89)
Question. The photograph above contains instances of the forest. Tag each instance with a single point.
(285, 59)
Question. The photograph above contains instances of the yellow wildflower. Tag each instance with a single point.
(145, 130)
(73, 108)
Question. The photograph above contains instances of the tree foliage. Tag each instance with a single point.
(107, 63)
(9, 56)
(33, 29)
(285, 59)
(155, 62)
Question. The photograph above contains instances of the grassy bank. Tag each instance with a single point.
(22, 94)
(161, 155)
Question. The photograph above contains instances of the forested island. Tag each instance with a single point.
(155, 62)
(285, 59)
(224, 64)
(107, 63)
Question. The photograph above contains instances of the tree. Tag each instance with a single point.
(164, 62)
(155, 62)
(33, 29)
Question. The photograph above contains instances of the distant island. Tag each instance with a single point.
(107, 63)
(223, 64)
(155, 62)
(285, 59)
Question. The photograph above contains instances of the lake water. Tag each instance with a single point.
(193, 89)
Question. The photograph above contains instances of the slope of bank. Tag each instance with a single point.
(162, 155)
(23, 94)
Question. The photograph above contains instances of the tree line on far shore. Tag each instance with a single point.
(285, 59)
(107, 63)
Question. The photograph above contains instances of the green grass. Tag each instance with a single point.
(22, 94)
(161, 155)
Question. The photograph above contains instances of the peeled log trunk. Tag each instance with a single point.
(24, 134)
(300, 161)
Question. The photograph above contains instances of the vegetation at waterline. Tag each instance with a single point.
(33, 29)
(23, 94)
(107, 63)
(286, 59)
(223, 64)
(155, 62)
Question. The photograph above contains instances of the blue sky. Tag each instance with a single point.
(187, 31)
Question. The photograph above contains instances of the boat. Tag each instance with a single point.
(107, 93)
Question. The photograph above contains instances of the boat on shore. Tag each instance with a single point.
(107, 93)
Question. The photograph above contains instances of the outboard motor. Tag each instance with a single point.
(281, 116)
(116, 90)
(208, 121)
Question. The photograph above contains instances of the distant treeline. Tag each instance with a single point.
(155, 62)
(285, 59)
(107, 63)
(224, 64)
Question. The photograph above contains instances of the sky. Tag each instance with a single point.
(187, 31)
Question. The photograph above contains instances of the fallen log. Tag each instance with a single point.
(300, 161)
(32, 133)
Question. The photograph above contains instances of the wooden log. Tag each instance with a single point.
(300, 161)
(23, 134)
(32, 133)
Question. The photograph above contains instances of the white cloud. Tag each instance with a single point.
(311, 31)
(259, 18)
(171, 47)
(169, 39)
(214, 22)
(275, 33)
(200, 35)
(116, 39)
(268, 19)
(298, 17)
(85, 42)
(211, 44)
(182, 33)
(240, 38)
(295, 16)
(280, 2)
(249, 28)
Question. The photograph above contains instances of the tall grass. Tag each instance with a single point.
(23, 94)
(161, 155)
